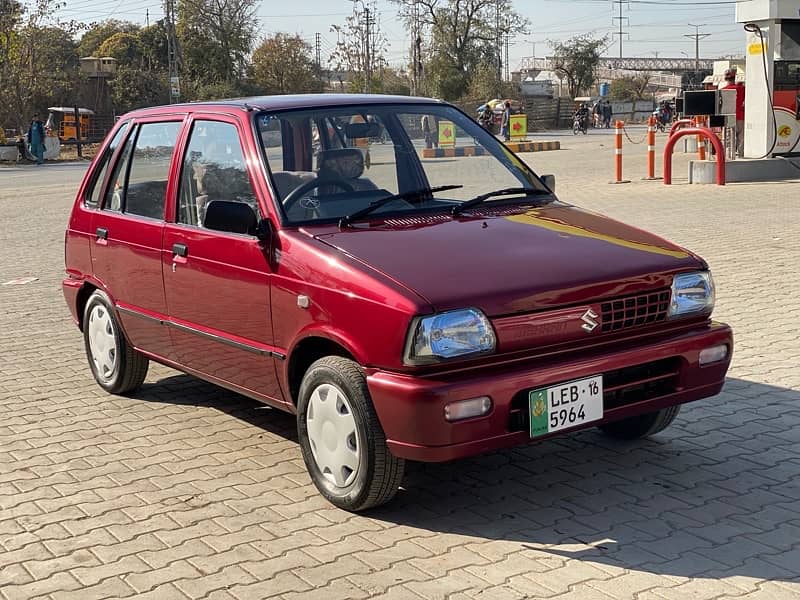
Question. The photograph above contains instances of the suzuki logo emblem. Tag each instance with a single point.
(589, 323)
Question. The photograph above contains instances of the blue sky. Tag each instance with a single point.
(652, 27)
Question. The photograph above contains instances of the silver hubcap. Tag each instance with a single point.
(102, 341)
(332, 434)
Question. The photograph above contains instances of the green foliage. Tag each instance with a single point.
(282, 64)
(124, 47)
(134, 88)
(98, 33)
(153, 46)
(576, 61)
(464, 38)
(216, 37)
(38, 61)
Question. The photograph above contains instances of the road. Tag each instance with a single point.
(185, 490)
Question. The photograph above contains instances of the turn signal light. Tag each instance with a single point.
(467, 409)
(713, 354)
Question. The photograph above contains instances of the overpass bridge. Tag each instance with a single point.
(668, 65)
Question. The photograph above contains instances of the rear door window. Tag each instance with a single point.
(142, 171)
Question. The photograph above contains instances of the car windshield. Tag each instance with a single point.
(330, 164)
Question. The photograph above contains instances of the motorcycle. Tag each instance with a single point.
(579, 124)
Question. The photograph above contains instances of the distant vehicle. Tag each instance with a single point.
(411, 310)
(61, 121)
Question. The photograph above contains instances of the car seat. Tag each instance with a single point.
(343, 163)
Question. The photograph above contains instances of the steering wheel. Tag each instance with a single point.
(301, 191)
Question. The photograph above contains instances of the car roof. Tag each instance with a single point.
(285, 102)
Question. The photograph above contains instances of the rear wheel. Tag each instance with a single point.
(342, 441)
(117, 367)
(641, 426)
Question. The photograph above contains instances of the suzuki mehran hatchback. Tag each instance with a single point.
(307, 251)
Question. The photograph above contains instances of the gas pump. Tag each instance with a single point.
(772, 100)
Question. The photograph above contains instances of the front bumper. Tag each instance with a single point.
(411, 408)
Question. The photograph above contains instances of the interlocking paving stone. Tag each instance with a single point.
(185, 490)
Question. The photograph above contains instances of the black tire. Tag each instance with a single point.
(641, 426)
(379, 473)
(130, 365)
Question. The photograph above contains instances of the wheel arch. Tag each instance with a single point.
(87, 289)
(305, 353)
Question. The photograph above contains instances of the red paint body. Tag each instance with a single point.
(228, 311)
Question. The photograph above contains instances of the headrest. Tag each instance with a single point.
(346, 163)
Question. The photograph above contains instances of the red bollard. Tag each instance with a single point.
(619, 125)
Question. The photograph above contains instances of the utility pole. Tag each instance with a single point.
(173, 52)
(621, 18)
(147, 17)
(507, 41)
(318, 49)
(416, 47)
(498, 46)
(697, 36)
(367, 57)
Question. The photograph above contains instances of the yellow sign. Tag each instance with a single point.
(756, 48)
(785, 131)
(518, 127)
(447, 133)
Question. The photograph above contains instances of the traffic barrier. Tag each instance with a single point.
(619, 126)
(699, 122)
(679, 124)
(700, 132)
(651, 149)
(481, 151)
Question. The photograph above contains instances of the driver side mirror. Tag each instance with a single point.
(231, 216)
(550, 182)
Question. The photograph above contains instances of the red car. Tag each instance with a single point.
(404, 309)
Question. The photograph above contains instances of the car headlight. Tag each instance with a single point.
(692, 294)
(452, 334)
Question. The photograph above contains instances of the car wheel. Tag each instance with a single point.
(641, 426)
(117, 367)
(342, 441)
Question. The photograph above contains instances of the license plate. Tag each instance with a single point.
(566, 405)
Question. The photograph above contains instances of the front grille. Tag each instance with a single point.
(634, 311)
(621, 387)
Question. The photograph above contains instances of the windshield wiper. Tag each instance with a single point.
(459, 208)
(360, 214)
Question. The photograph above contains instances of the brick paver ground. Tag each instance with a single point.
(188, 491)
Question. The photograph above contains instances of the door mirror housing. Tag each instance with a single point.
(234, 217)
(550, 182)
(264, 230)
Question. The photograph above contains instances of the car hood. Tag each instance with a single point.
(523, 260)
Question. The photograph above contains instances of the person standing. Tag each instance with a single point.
(36, 139)
(505, 127)
(608, 112)
(730, 79)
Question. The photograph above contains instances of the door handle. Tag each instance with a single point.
(101, 233)
(179, 249)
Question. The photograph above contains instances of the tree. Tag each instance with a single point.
(466, 36)
(38, 62)
(133, 88)
(576, 61)
(97, 33)
(282, 64)
(359, 51)
(124, 47)
(631, 87)
(216, 37)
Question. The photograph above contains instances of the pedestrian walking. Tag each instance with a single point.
(608, 112)
(36, 139)
(730, 78)
(505, 126)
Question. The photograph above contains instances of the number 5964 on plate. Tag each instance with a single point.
(566, 405)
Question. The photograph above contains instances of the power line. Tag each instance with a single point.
(621, 33)
(697, 36)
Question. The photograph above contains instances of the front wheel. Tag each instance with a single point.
(116, 365)
(575, 128)
(342, 441)
(641, 426)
